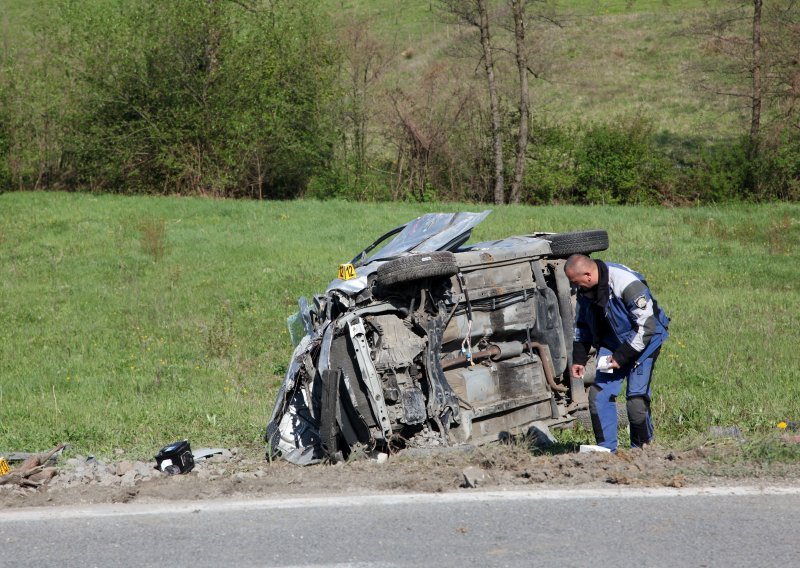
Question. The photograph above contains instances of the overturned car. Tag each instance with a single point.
(423, 340)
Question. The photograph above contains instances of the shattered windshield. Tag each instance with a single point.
(432, 232)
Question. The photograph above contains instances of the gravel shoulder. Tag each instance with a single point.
(244, 474)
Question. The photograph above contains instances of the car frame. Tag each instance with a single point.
(426, 341)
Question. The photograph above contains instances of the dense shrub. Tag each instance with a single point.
(200, 97)
(618, 163)
(778, 169)
(551, 172)
(720, 172)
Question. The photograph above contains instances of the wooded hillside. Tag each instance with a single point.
(479, 100)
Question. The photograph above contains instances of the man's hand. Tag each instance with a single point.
(612, 364)
(578, 371)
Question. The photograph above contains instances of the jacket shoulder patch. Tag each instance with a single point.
(641, 302)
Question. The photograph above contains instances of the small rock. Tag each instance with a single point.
(473, 476)
(541, 436)
(99, 469)
(129, 479)
(617, 478)
(110, 481)
(382, 457)
(144, 469)
(118, 451)
(123, 467)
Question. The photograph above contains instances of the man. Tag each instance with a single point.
(617, 314)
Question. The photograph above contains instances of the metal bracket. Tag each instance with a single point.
(358, 335)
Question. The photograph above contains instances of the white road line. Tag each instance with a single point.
(466, 496)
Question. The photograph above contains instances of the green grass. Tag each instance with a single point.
(131, 322)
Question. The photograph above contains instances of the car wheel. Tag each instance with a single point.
(415, 267)
(565, 244)
(584, 418)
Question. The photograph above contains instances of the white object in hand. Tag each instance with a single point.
(604, 364)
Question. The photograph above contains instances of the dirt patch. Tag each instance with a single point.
(242, 475)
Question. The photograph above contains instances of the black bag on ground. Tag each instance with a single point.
(175, 458)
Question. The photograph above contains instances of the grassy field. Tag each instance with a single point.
(131, 322)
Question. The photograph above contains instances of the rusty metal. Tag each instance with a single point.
(547, 364)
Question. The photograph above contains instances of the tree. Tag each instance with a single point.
(752, 49)
(757, 63)
(427, 116)
(365, 59)
(475, 13)
(752, 56)
(518, 12)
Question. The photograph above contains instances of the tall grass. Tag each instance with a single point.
(130, 322)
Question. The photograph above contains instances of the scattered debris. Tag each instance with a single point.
(175, 458)
(34, 471)
(589, 448)
(726, 432)
(206, 453)
(499, 467)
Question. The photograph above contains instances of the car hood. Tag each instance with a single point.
(427, 233)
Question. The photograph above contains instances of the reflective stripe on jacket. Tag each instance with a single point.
(633, 316)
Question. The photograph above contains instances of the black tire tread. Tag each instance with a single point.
(416, 267)
(579, 242)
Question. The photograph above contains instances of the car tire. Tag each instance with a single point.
(416, 267)
(579, 242)
(584, 418)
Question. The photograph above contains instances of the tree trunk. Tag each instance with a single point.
(755, 117)
(518, 10)
(497, 142)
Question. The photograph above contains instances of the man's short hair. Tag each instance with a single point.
(578, 263)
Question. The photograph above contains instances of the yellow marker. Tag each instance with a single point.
(4, 469)
(346, 272)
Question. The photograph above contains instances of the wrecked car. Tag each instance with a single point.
(424, 340)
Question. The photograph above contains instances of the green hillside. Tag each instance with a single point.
(629, 101)
(603, 60)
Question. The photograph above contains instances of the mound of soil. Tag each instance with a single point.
(245, 474)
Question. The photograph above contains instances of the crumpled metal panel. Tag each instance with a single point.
(399, 344)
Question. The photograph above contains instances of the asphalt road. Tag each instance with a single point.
(617, 527)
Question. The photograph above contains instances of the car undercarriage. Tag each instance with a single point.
(431, 342)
